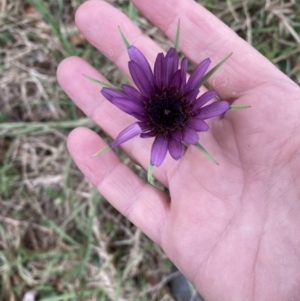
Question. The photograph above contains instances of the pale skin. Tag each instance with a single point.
(232, 229)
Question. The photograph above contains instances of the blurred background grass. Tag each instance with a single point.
(60, 239)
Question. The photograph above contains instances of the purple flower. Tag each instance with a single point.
(165, 103)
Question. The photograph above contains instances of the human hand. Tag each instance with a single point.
(231, 229)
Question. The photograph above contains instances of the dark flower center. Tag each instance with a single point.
(168, 110)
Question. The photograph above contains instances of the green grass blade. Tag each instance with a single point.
(12, 129)
(132, 11)
(44, 10)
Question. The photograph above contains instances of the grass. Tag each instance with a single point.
(60, 239)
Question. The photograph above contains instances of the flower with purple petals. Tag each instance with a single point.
(165, 103)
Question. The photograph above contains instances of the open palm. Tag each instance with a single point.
(232, 229)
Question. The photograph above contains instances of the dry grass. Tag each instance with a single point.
(59, 239)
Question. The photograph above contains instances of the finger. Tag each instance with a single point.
(104, 34)
(204, 35)
(141, 203)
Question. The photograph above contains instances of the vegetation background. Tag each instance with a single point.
(60, 239)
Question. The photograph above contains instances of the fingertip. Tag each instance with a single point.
(73, 137)
(90, 11)
(83, 142)
(82, 11)
(68, 68)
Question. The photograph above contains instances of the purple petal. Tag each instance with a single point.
(203, 99)
(132, 92)
(147, 135)
(140, 79)
(192, 94)
(128, 133)
(190, 136)
(175, 148)
(158, 70)
(139, 116)
(214, 109)
(198, 125)
(159, 150)
(176, 79)
(177, 135)
(171, 65)
(197, 74)
(128, 105)
(183, 69)
(137, 56)
(110, 93)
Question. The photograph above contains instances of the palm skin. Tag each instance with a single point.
(231, 229)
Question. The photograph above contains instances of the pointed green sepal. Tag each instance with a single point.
(238, 107)
(149, 174)
(101, 151)
(124, 38)
(206, 153)
(100, 83)
(213, 70)
(176, 43)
